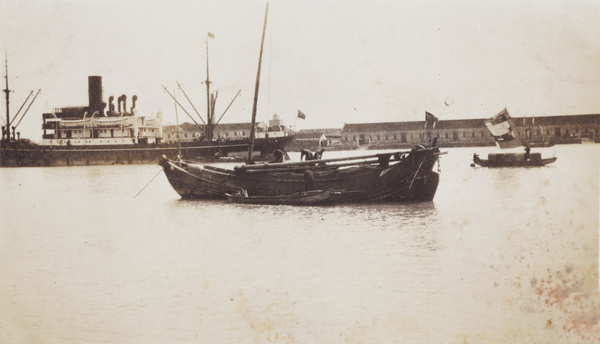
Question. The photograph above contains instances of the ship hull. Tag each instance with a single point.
(513, 160)
(528, 163)
(15, 154)
(405, 180)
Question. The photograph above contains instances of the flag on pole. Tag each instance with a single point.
(301, 115)
(502, 128)
(210, 35)
(430, 118)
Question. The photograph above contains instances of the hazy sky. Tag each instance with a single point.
(337, 61)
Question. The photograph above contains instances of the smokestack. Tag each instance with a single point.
(111, 106)
(119, 100)
(95, 94)
(124, 103)
(133, 99)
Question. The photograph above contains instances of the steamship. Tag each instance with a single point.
(94, 135)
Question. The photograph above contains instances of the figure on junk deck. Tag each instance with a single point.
(278, 155)
(305, 154)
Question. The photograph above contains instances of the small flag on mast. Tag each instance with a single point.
(301, 115)
(501, 127)
(210, 35)
(430, 118)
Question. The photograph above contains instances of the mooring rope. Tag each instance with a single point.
(148, 183)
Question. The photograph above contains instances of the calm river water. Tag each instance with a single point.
(500, 256)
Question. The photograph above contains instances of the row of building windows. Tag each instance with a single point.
(404, 136)
(106, 131)
(455, 135)
(196, 134)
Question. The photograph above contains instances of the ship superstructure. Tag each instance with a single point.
(91, 125)
(97, 135)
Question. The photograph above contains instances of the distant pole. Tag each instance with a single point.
(21, 108)
(182, 108)
(177, 128)
(251, 145)
(189, 101)
(208, 131)
(24, 113)
(7, 91)
(228, 107)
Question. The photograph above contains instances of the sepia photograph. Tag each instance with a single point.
(244, 171)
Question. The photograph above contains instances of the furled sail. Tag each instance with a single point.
(502, 128)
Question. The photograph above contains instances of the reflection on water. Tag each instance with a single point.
(501, 255)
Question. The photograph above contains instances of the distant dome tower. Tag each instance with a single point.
(275, 121)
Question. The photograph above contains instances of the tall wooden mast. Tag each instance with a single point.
(7, 92)
(253, 123)
(209, 130)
